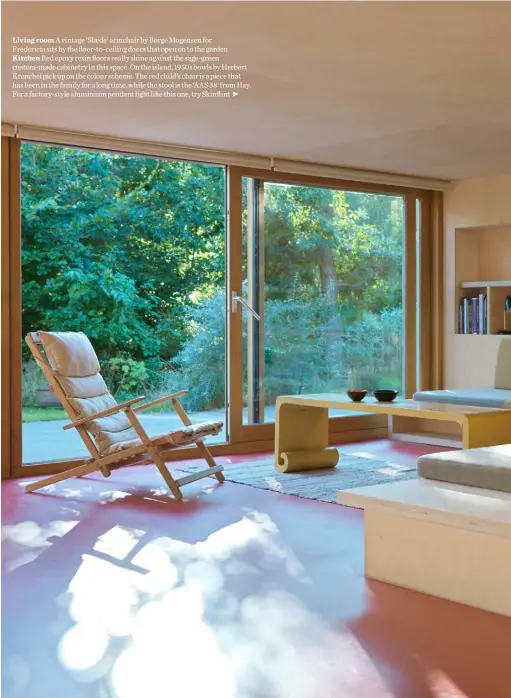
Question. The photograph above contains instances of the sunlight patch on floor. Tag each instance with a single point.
(159, 619)
(362, 454)
(104, 594)
(112, 496)
(32, 538)
(392, 469)
(441, 686)
(172, 633)
(118, 541)
(83, 645)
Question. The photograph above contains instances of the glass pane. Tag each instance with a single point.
(327, 284)
(129, 250)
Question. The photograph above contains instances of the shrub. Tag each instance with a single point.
(200, 365)
(32, 380)
(301, 347)
(372, 351)
(124, 375)
(308, 348)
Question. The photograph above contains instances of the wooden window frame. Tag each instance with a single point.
(425, 331)
(357, 427)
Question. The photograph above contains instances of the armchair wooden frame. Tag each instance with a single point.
(148, 451)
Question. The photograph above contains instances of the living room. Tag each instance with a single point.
(194, 284)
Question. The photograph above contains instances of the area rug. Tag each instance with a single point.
(351, 471)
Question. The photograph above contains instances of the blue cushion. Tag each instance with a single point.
(478, 397)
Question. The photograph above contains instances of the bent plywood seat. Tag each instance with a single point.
(111, 431)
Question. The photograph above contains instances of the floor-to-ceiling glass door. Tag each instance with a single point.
(130, 250)
(317, 293)
(319, 303)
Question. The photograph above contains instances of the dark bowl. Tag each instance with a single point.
(356, 395)
(385, 395)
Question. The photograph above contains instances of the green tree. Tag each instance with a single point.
(345, 245)
(118, 246)
(130, 250)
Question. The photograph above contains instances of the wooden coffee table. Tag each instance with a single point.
(302, 423)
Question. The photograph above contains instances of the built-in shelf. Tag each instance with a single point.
(482, 253)
(495, 335)
(484, 284)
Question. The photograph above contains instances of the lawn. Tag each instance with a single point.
(42, 414)
(50, 414)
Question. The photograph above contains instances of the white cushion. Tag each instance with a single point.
(107, 441)
(70, 353)
(88, 386)
(183, 436)
(503, 369)
(105, 430)
(487, 468)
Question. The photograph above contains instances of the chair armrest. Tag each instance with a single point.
(160, 400)
(105, 413)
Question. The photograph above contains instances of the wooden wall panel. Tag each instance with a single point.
(5, 304)
(15, 302)
(437, 291)
(410, 295)
(11, 307)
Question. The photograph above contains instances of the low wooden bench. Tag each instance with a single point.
(447, 540)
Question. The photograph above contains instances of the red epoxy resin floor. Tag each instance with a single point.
(113, 590)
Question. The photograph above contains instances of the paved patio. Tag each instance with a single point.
(47, 441)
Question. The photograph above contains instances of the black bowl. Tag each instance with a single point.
(356, 395)
(385, 395)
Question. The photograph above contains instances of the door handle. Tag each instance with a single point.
(238, 300)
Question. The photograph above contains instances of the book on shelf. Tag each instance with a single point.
(473, 314)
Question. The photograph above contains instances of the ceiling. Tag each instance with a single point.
(419, 88)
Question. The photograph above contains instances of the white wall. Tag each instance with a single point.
(470, 361)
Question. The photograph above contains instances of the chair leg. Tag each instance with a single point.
(200, 444)
(209, 459)
(154, 454)
(85, 469)
(169, 480)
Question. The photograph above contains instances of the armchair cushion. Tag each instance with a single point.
(83, 387)
(184, 436)
(70, 353)
(106, 431)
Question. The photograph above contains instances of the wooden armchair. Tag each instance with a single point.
(111, 431)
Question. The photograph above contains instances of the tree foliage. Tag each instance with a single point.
(131, 250)
(117, 246)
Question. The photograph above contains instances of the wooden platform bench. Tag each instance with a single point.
(438, 538)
